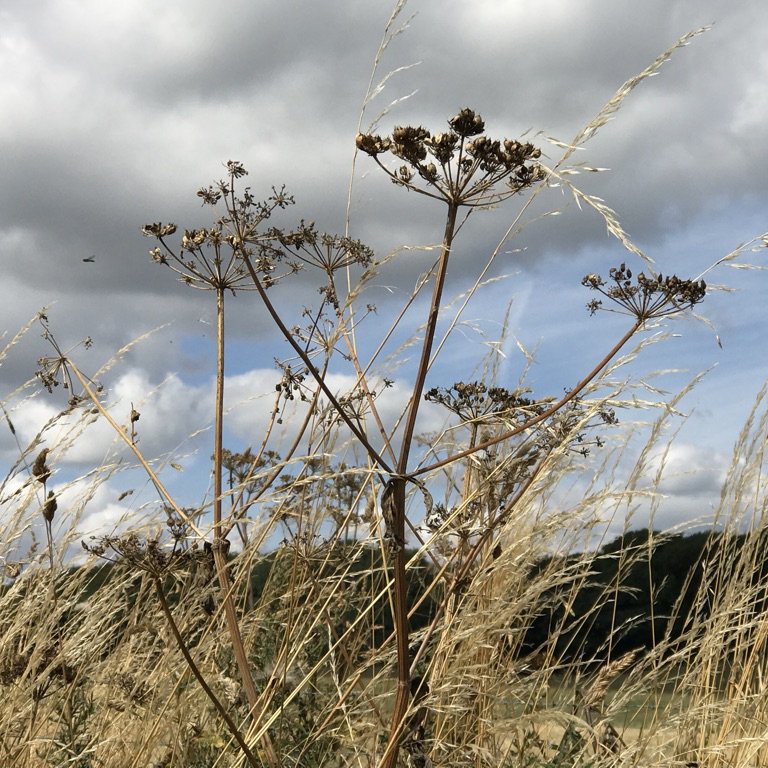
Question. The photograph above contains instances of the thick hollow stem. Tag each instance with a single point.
(219, 418)
(429, 337)
(400, 587)
(402, 635)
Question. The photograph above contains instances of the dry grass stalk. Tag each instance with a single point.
(343, 646)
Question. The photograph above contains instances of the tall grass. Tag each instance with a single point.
(389, 625)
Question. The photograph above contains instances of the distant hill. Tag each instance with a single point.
(643, 587)
(638, 589)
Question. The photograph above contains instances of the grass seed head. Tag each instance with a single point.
(50, 507)
(40, 469)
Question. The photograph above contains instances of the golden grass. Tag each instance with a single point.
(168, 657)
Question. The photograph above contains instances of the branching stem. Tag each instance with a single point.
(375, 456)
(231, 725)
(540, 417)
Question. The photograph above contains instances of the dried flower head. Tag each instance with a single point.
(150, 555)
(371, 144)
(292, 382)
(474, 401)
(461, 167)
(646, 297)
(40, 469)
(54, 370)
(158, 230)
(50, 507)
(326, 252)
(212, 258)
(322, 250)
(467, 123)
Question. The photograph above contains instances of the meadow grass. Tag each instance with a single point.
(388, 627)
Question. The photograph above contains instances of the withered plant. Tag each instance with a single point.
(462, 168)
(377, 610)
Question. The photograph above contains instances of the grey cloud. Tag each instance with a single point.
(114, 115)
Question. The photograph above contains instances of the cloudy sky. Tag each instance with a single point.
(115, 114)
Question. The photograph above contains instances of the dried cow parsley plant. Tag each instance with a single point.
(213, 257)
(149, 554)
(54, 370)
(647, 297)
(326, 252)
(461, 166)
(474, 401)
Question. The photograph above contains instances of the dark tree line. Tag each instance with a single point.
(645, 587)
(639, 589)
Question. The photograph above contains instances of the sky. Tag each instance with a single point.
(114, 115)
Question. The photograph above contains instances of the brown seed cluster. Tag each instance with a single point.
(149, 554)
(646, 297)
(212, 258)
(474, 400)
(460, 166)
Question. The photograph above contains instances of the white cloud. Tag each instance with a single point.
(91, 505)
(171, 413)
(175, 420)
(250, 399)
(690, 471)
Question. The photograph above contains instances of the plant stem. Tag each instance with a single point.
(429, 336)
(219, 417)
(372, 452)
(219, 549)
(362, 382)
(542, 416)
(400, 587)
(233, 729)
